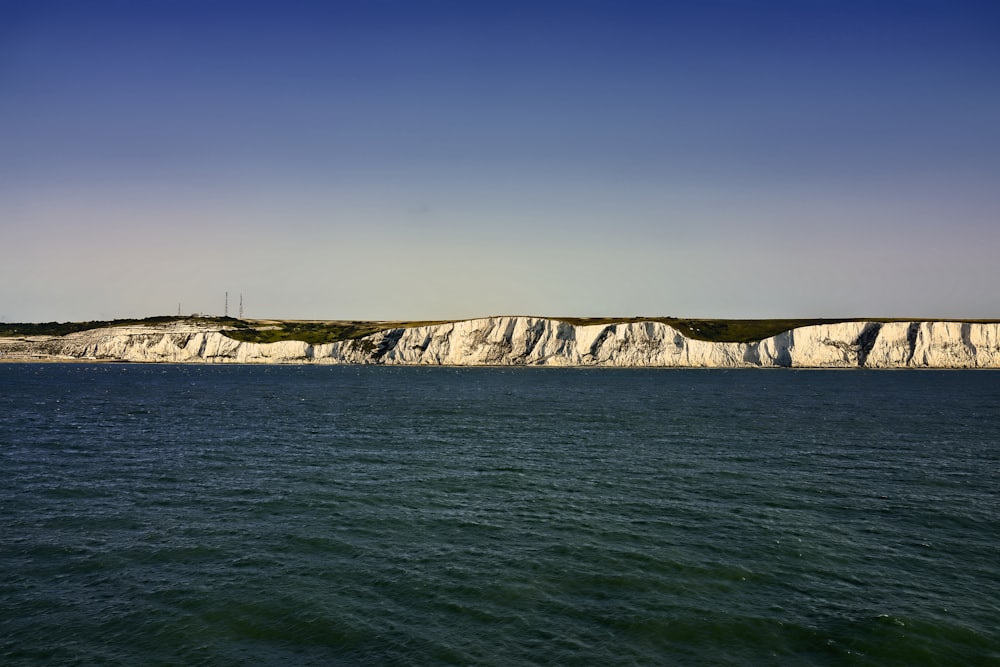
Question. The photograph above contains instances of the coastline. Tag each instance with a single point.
(534, 342)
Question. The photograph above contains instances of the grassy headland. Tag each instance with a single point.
(314, 332)
(720, 331)
(63, 328)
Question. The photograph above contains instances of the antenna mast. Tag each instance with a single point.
(227, 305)
(241, 305)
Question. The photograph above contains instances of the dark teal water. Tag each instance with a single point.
(198, 515)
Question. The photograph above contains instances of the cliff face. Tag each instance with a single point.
(528, 341)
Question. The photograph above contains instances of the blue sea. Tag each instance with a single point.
(304, 515)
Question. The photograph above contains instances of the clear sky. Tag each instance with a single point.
(432, 159)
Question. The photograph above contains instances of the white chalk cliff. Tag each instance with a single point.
(531, 341)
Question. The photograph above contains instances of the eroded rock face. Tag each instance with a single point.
(529, 341)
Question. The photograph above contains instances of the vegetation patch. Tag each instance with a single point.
(740, 331)
(314, 332)
(63, 328)
(716, 331)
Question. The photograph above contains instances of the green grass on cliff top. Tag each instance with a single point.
(328, 331)
(270, 331)
(63, 328)
(314, 332)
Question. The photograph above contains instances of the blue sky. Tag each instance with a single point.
(387, 159)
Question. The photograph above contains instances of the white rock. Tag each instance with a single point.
(521, 341)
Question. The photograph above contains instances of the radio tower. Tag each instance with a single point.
(227, 305)
(241, 305)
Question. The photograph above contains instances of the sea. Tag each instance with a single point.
(366, 515)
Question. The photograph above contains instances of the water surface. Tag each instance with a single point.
(207, 515)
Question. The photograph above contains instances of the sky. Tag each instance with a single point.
(437, 159)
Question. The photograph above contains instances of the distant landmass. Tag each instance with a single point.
(518, 341)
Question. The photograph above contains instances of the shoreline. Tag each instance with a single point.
(517, 342)
(545, 367)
